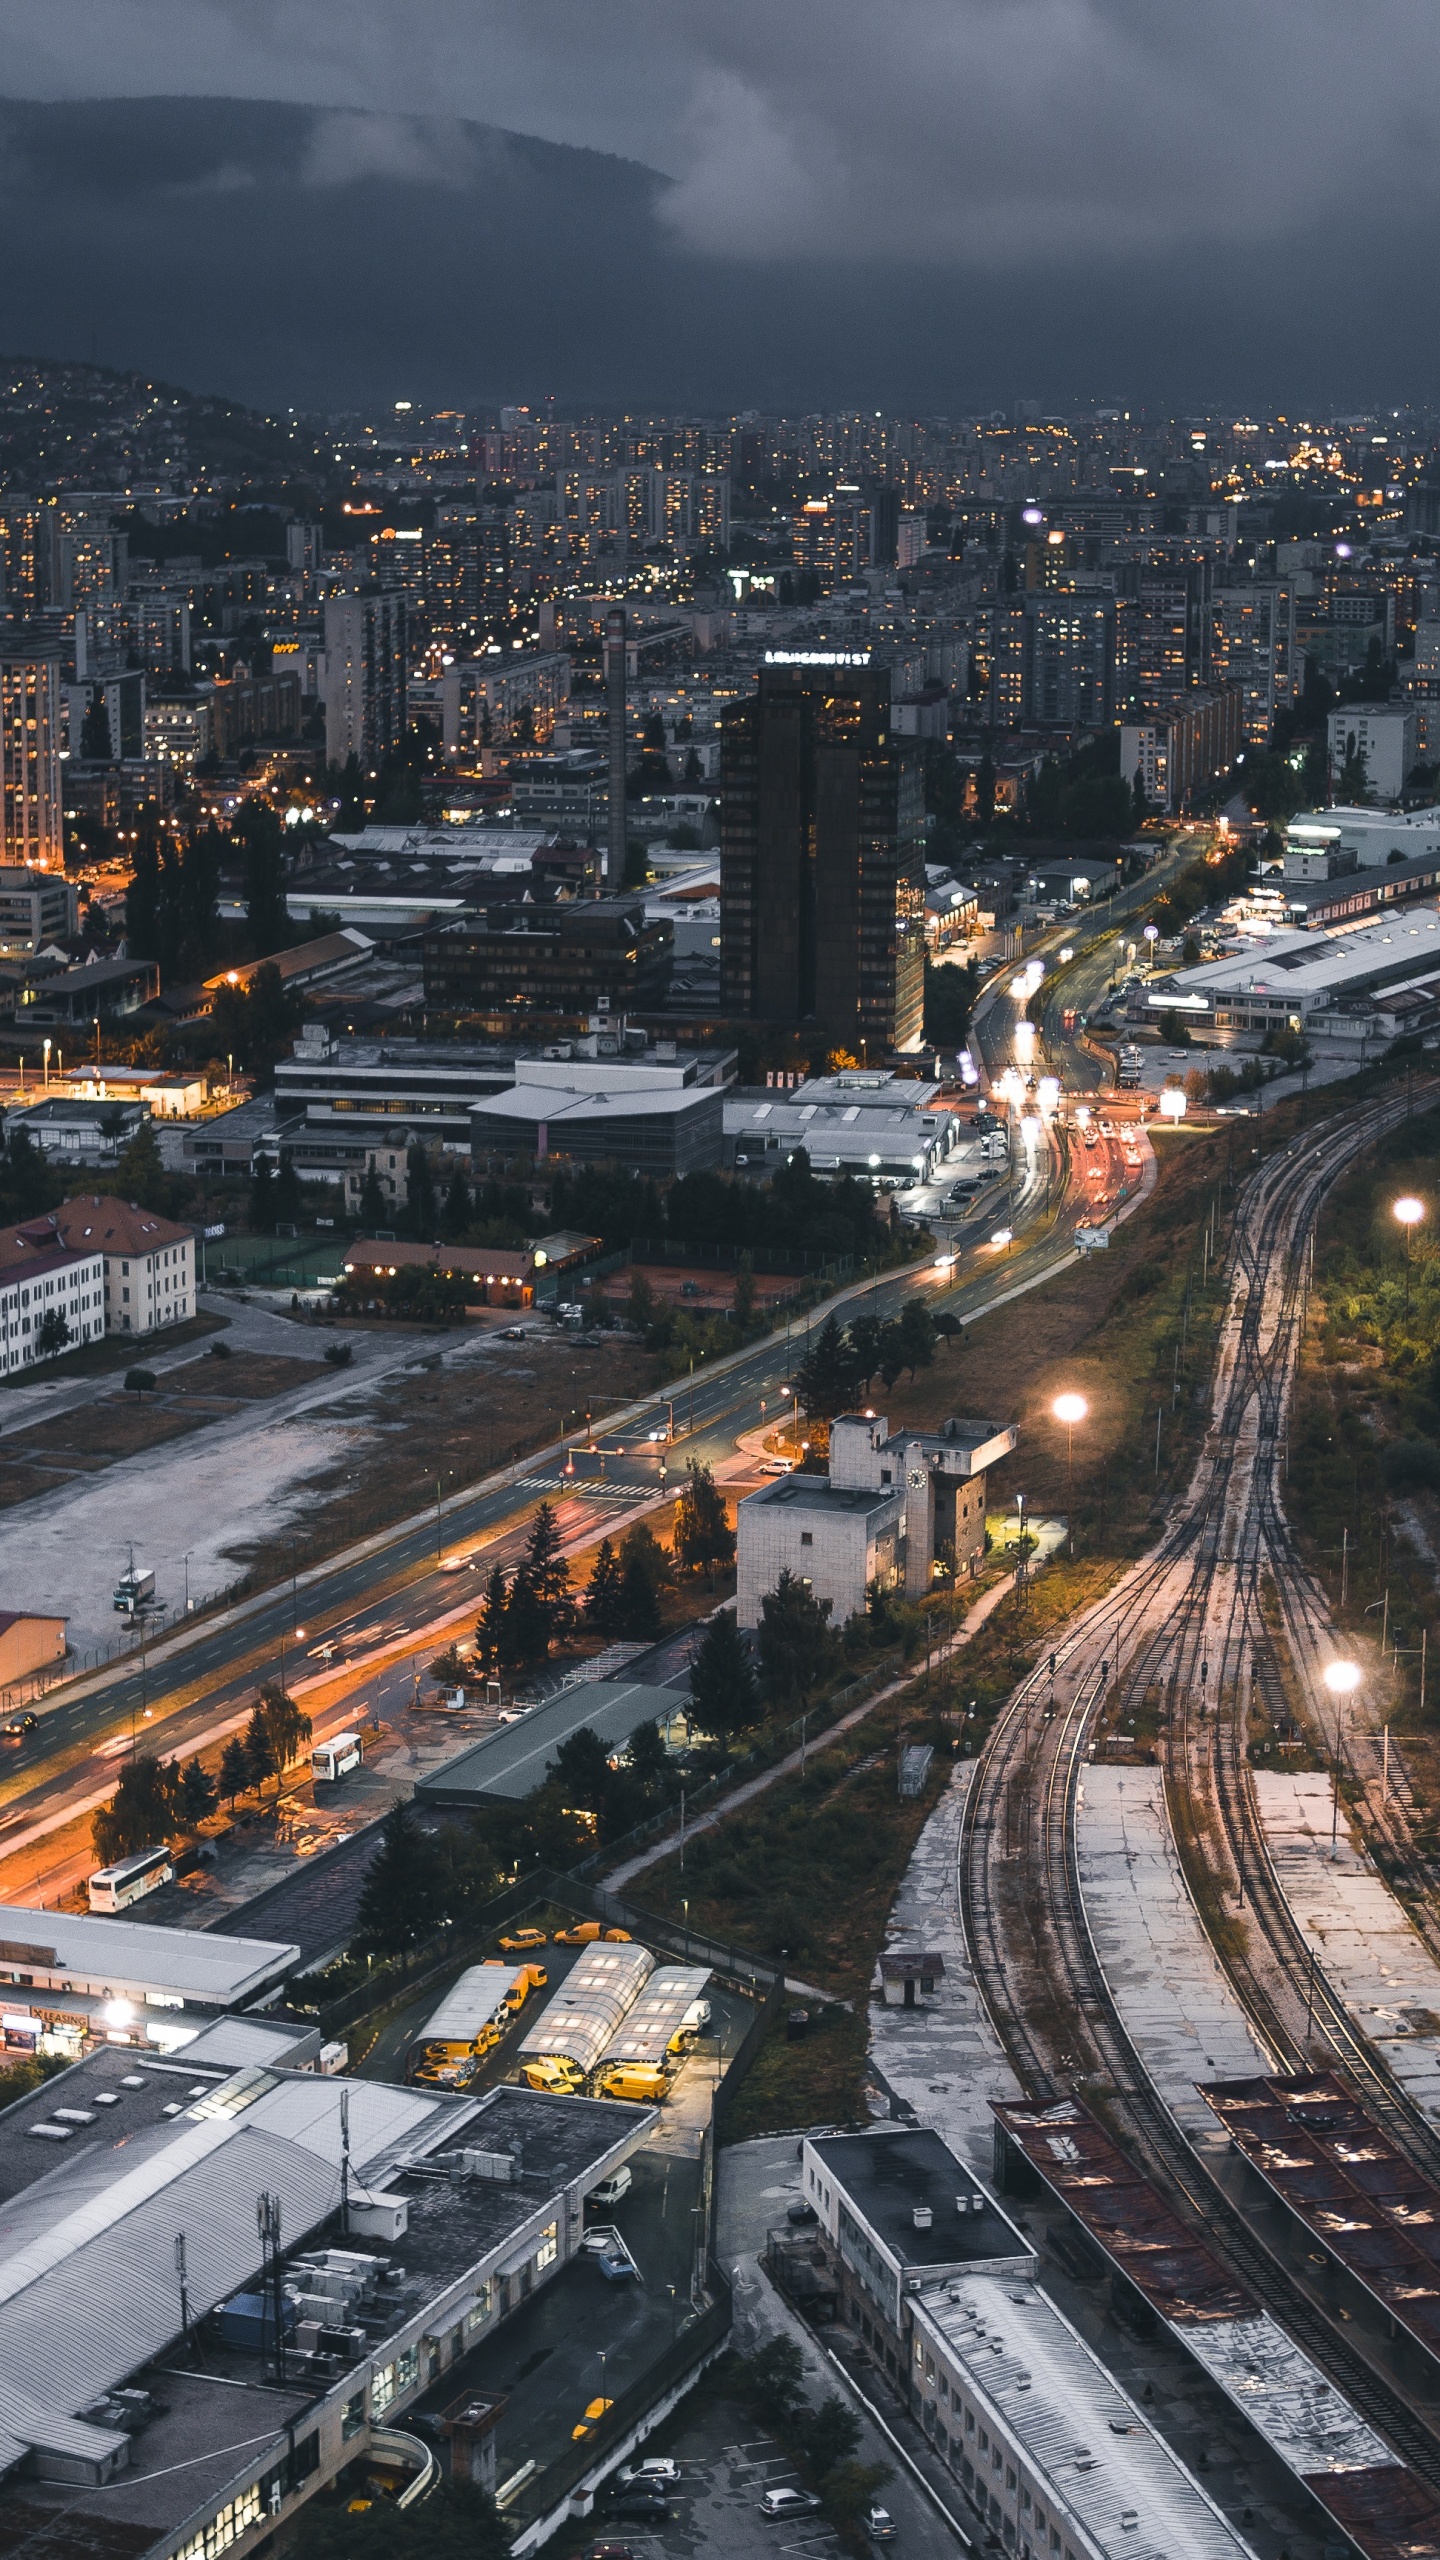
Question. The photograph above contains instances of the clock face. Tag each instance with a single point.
(917, 1477)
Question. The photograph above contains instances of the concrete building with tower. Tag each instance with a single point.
(822, 881)
(890, 1510)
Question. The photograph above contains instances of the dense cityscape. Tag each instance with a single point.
(720, 1342)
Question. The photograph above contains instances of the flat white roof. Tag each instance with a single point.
(578, 1099)
(1310, 964)
(102, 1956)
(1080, 2433)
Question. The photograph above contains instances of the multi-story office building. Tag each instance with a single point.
(566, 961)
(483, 700)
(365, 676)
(1252, 645)
(1384, 734)
(31, 819)
(822, 895)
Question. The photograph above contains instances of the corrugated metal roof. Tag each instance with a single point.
(469, 2004)
(514, 1761)
(116, 1955)
(600, 1990)
(644, 2034)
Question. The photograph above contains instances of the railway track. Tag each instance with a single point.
(1187, 1619)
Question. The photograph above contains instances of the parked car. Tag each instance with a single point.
(661, 2467)
(512, 1333)
(644, 2501)
(520, 1941)
(801, 2212)
(779, 2504)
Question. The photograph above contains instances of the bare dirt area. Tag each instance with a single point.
(117, 1426)
(450, 1425)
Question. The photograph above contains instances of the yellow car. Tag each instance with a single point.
(595, 2409)
(521, 1941)
(583, 1934)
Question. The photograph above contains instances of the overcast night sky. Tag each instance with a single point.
(933, 203)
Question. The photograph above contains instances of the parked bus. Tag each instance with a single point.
(338, 1758)
(130, 1879)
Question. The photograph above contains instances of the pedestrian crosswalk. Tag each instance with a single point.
(596, 1488)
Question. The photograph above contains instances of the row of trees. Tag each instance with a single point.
(534, 1607)
(156, 1800)
(172, 910)
(841, 1362)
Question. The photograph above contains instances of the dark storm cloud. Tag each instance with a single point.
(925, 200)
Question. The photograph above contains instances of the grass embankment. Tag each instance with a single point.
(1363, 1483)
(809, 1872)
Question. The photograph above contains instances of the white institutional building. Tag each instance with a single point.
(888, 1507)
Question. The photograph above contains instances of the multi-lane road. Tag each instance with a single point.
(197, 1682)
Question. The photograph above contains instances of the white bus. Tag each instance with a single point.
(336, 1759)
(115, 1888)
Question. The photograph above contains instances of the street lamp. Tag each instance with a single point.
(1070, 1409)
(1341, 1679)
(1409, 1211)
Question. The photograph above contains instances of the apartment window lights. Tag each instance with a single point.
(549, 2248)
(232, 2520)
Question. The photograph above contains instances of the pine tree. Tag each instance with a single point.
(374, 1207)
(825, 1381)
(639, 1609)
(400, 1900)
(546, 1570)
(197, 1791)
(918, 1335)
(261, 1759)
(261, 840)
(864, 1337)
(723, 1694)
(457, 1207)
(490, 1626)
(420, 1210)
(641, 1547)
(261, 1212)
(525, 1637)
(602, 1600)
(140, 1175)
(742, 1308)
(234, 1770)
(703, 1535)
(142, 901)
(796, 1646)
(288, 1204)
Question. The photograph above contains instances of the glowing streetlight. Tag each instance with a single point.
(1067, 952)
(1409, 1211)
(1070, 1409)
(1002, 1239)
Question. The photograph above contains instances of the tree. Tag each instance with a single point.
(865, 1334)
(850, 2489)
(526, 1634)
(254, 1019)
(641, 1547)
(490, 1625)
(288, 1203)
(723, 1695)
(742, 1307)
(400, 1900)
(602, 1599)
(261, 839)
(286, 1724)
(581, 1772)
(142, 900)
(261, 1211)
(374, 1208)
(421, 1213)
(53, 1335)
(198, 1792)
(140, 1175)
(796, 1645)
(893, 1355)
(825, 1381)
(142, 1812)
(1353, 784)
(262, 1761)
(455, 1217)
(642, 1301)
(234, 1770)
(139, 1382)
(951, 987)
(639, 1605)
(829, 2435)
(703, 1535)
(917, 1334)
(949, 1328)
(774, 2378)
(1139, 805)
